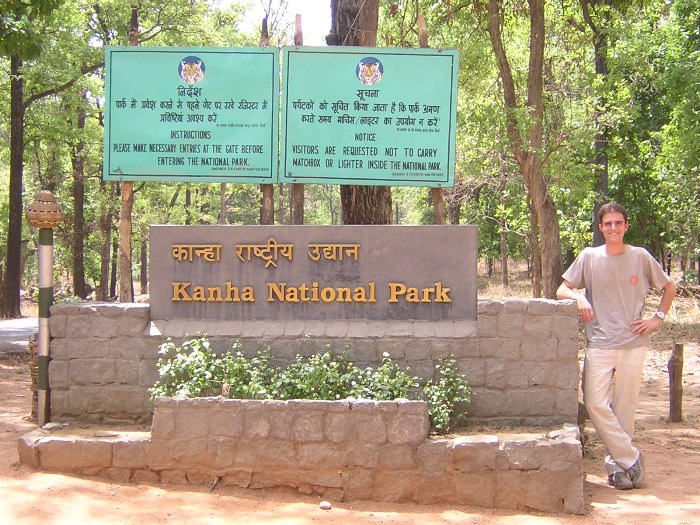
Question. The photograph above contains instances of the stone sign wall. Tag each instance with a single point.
(520, 357)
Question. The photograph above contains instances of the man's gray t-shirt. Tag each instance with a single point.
(616, 286)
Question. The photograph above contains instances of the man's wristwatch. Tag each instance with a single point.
(661, 315)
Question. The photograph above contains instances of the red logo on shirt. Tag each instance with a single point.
(634, 280)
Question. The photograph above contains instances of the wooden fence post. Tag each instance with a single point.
(675, 383)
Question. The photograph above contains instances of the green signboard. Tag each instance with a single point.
(372, 116)
(191, 114)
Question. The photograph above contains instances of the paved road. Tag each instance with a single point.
(14, 334)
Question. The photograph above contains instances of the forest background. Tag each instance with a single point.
(562, 105)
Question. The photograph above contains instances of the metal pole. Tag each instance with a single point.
(45, 302)
(45, 214)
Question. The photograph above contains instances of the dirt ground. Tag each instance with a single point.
(672, 453)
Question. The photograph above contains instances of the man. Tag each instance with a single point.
(616, 278)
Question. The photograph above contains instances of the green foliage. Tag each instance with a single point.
(194, 370)
(449, 388)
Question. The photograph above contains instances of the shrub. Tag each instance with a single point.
(194, 370)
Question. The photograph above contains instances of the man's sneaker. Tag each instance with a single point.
(620, 480)
(636, 473)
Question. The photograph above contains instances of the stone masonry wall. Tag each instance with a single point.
(520, 356)
(341, 450)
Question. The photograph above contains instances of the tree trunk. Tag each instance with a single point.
(267, 191)
(10, 305)
(144, 264)
(106, 217)
(527, 150)
(602, 133)
(126, 285)
(354, 23)
(504, 225)
(78, 164)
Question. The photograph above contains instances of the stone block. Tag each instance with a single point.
(424, 369)
(424, 330)
(538, 327)
(145, 476)
(433, 487)
(163, 426)
(74, 454)
(376, 329)
(118, 475)
(396, 348)
(567, 350)
(543, 307)
(192, 422)
(417, 350)
(130, 453)
(487, 402)
(134, 348)
(148, 372)
(28, 448)
(336, 329)
(323, 455)
(79, 326)
(93, 371)
(511, 325)
(59, 402)
(566, 405)
(59, 349)
(516, 375)
(542, 374)
(510, 489)
(496, 376)
(122, 401)
(499, 347)
(397, 457)
(487, 326)
(555, 491)
(474, 371)
(520, 452)
(362, 351)
(558, 454)
(566, 328)
(407, 430)
(358, 484)
(448, 348)
(568, 376)
(545, 350)
(173, 477)
(307, 426)
(127, 372)
(88, 348)
(226, 420)
(400, 329)
(395, 485)
(264, 454)
(434, 456)
(59, 374)
(196, 477)
(237, 478)
(57, 324)
(475, 453)
(294, 328)
(475, 488)
(358, 329)
(105, 327)
(461, 329)
(490, 307)
(339, 428)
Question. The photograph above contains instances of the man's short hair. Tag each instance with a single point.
(611, 207)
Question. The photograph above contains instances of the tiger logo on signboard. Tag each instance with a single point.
(191, 69)
(370, 71)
